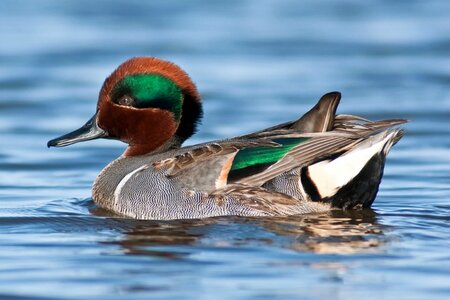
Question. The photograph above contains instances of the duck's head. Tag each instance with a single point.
(147, 103)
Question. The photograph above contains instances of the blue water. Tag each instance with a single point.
(256, 63)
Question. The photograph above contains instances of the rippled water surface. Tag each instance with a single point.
(256, 63)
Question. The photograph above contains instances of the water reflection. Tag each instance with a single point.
(335, 232)
(143, 239)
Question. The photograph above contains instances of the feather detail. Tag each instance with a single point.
(302, 155)
(222, 180)
(330, 175)
(193, 155)
(268, 202)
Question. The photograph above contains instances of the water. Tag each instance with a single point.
(256, 63)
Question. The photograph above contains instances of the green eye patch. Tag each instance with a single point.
(151, 91)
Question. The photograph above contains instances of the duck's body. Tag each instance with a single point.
(316, 163)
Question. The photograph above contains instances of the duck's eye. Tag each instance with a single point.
(125, 100)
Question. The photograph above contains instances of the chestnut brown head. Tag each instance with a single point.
(146, 102)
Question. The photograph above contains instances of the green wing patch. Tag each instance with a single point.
(252, 160)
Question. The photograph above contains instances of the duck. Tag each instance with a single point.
(320, 162)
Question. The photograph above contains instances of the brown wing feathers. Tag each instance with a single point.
(327, 134)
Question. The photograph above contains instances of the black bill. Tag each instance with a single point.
(89, 131)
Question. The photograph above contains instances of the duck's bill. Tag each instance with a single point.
(89, 131)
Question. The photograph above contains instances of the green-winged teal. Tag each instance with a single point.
(316, 163)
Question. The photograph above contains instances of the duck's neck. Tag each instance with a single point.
(149, 149)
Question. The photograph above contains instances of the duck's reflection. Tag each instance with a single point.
(335, 232)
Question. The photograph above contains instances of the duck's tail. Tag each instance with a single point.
(351, 179)
(347, 175)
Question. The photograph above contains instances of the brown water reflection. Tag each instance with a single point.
(335, 232)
